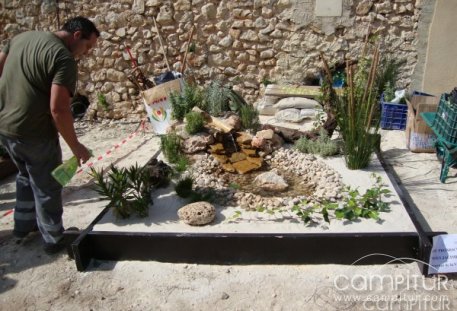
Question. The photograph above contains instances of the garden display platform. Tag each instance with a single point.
(256, 237)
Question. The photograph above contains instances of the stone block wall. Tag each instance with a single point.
(241, 41)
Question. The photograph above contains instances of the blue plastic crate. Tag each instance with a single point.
(393, 116)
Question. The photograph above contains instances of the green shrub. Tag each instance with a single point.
(265, 81)
(101, 100)
(323, 146)
(386, 74)
(216, 99)
(128, 189)
(183, 187)
(181, 164)
(221, 98)
(249, 117)
(194, 122)
(183, 103)
(171, 147)
(389, 92)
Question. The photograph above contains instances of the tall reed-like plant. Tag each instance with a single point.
(357, 113)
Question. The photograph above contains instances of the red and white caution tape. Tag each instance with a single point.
(7, 213)
(116, 146)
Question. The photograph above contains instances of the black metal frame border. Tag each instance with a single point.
(236, 248)
(425, 238)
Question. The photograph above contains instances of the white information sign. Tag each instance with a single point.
(443, 258)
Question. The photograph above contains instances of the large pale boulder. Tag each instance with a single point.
(270, 181)
(197, 214)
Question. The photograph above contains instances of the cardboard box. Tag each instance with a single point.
(419, 136)
(158, 106)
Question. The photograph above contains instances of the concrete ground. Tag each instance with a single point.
(31, 280)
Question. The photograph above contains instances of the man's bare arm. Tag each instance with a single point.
(61, 113)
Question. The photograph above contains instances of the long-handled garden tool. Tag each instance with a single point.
(137, 77)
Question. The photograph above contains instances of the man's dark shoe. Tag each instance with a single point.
(54, 248)
(51, 249)
(22, 234)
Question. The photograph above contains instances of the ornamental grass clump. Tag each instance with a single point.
(249, 116)
(184, 189)
(323, 145)
(357, 114)
(171, 147)
(220, 98)
(194, 122)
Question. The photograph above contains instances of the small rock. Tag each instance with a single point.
(197, 214)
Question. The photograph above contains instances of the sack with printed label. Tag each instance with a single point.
(158, 106)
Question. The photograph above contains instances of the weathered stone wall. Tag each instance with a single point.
(244, 41)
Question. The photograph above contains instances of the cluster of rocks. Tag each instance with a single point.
(235, 151)
(257, 40)
(325, 182)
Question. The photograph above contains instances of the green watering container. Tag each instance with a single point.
(65, 171)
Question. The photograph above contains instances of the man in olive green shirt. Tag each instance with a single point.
(38, 74)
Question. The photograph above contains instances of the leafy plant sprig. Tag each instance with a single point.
(353, 206)
(368, 205)
(101, 100)
(307, 213)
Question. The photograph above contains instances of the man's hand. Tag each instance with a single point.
(81, 153)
